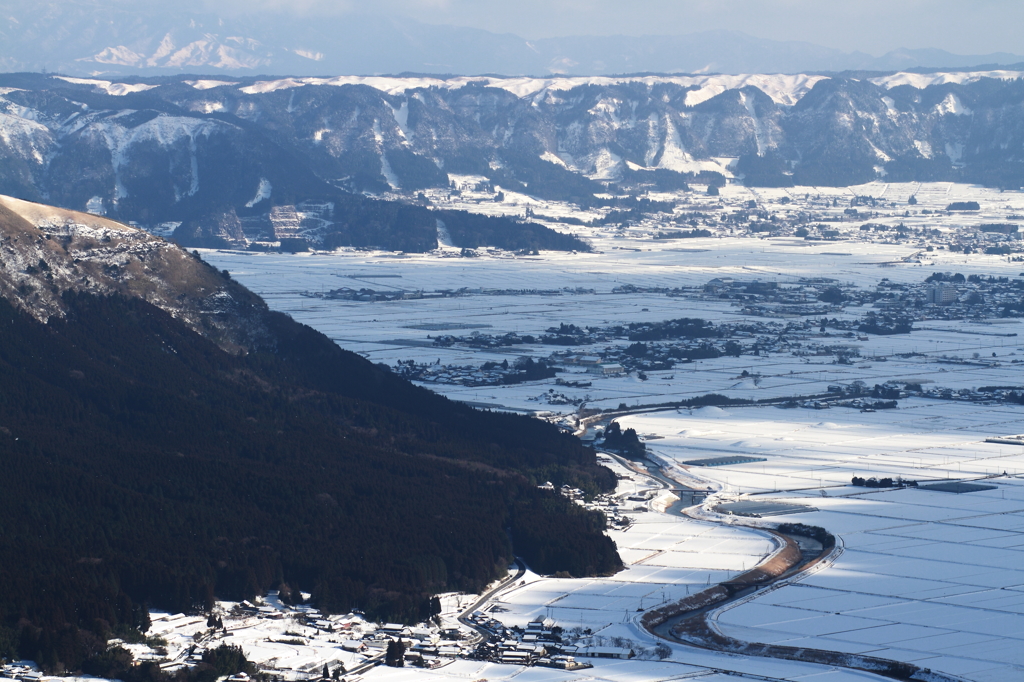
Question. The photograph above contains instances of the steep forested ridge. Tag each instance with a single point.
(146, 467)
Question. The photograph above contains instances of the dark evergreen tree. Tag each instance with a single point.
(625, 442)
(395, 654)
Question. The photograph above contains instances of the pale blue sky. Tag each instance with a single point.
(873, 26)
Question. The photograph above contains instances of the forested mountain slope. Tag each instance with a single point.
(160, 451)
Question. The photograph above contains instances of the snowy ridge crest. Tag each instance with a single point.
(783, 89)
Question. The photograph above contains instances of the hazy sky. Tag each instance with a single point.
(873, 26)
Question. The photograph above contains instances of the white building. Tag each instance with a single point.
(942, 294)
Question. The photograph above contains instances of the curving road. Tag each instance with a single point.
(812, 558)
(463, 617)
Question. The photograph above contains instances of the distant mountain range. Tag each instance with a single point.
(83, 39)
(228, 161)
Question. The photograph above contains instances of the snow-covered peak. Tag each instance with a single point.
(208, 84)
(110, 88)
(923, 80)
(952, 105)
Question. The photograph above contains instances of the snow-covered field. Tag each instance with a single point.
(923, 440)
(578, 289)
(667, 559)
(928, 577)
(932, 578)
(699, 665)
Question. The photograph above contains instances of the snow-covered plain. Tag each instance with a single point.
(700, 666)
(578, 289)
(667, 559)
(927, 577)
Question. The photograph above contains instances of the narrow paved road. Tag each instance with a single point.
(464, 616)
(366, 665)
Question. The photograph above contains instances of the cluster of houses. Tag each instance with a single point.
(462, 375)
(540, 644)
(980, 395)
(566, 491)
(342, 645)
(615, 507)
(424, 647)
(20, 671)
(835, 219)
(366, 294)
(595, 364)
(892, 390)
(950, 296)
(505, 645)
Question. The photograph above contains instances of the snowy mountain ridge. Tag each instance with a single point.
(168, 150)
(784, 89)
(49, 252)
